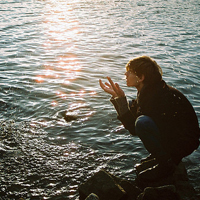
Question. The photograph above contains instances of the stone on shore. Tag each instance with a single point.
(92, 197)
(106, 186)
(167, 192)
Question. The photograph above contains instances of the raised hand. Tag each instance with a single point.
(112, 88)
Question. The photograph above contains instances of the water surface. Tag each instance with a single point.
(53, 53)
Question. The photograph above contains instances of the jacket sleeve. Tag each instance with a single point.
(124, 113)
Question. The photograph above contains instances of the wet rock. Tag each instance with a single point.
(162, 193)
(109, 187)
(103, 185)
(69, 118)
(132, 191)
(92, 197)
(179, 179)
(182, 184)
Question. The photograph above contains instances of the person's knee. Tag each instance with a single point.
(141, 121)
(143, 124)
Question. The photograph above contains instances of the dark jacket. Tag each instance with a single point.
(173, 114)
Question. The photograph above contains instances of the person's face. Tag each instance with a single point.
(132, 80)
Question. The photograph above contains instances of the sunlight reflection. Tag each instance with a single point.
(61, 95)
(93, 93)
(61, 27)
(49, 73)
(62, 66)
(39, 123)
(39, 79)
(81, 93)
(66, 82)
(54, 103)
(61, 24)
(78, 95)
(68, 63)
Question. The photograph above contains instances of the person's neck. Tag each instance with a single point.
(139, 87)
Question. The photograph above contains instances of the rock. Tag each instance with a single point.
(181, 182)
(162, 193)
(68, 116)
(92, 197)
(132, 191)
(109, 187)
(144, 165)
(103, 185)
(179, 179)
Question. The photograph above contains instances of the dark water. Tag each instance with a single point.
(52, 54)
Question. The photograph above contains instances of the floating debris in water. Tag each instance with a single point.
(68, 116)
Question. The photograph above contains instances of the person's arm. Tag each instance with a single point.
(124, 113)
(120, 103)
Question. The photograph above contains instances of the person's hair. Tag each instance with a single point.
(144, 65)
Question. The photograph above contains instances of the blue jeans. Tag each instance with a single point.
(148, 132)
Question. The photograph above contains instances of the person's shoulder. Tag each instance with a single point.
(177, 95)
(175, 90)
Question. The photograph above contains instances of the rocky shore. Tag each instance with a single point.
(105, 186)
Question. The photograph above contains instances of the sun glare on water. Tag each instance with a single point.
(61, 67)
(60, 28)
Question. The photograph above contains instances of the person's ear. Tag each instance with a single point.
(141, 78)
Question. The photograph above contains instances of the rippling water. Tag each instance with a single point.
(52, 54)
